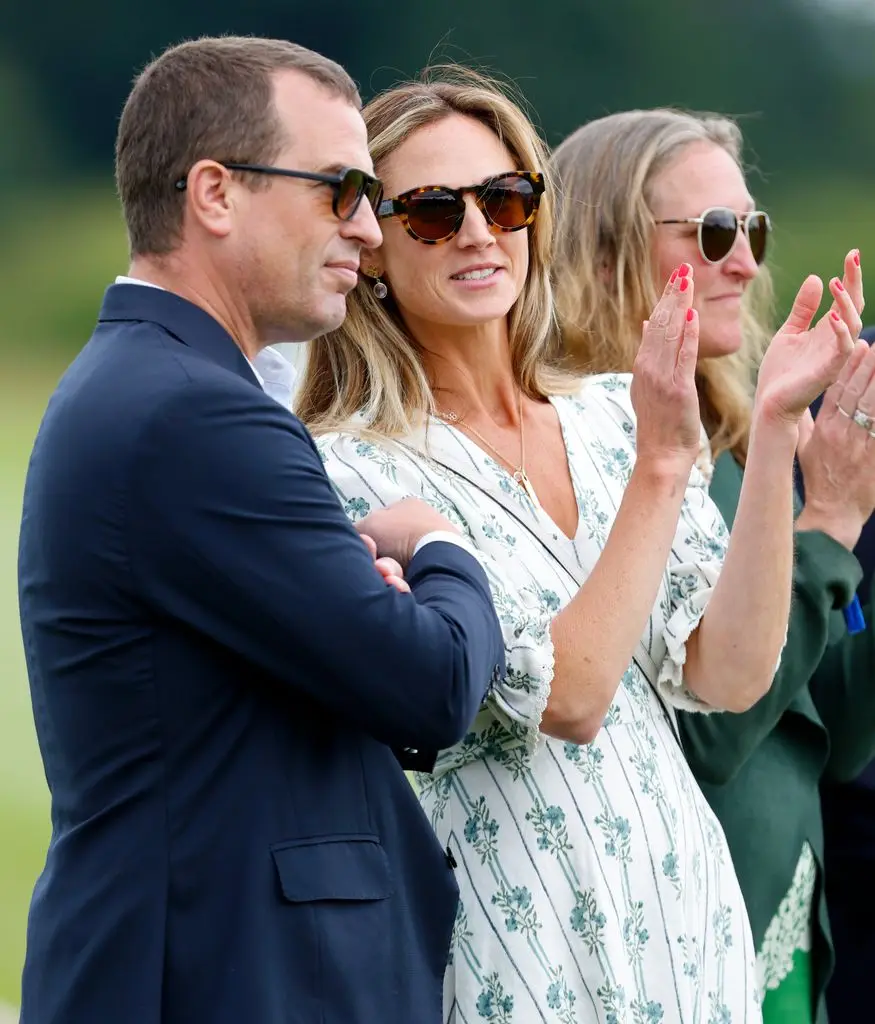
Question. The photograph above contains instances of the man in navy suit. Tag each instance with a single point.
(849, 824)
(223, 684)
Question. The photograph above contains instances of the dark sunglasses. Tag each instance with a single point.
(350, 185)
(434, 213)
(718, 232)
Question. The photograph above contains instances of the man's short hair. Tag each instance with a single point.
(210, 98)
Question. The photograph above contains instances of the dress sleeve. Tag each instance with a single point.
(368, 476)
(697, 554)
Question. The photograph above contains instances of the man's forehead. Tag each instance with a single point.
(325, 130)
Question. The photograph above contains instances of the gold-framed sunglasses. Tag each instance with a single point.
(718, 228)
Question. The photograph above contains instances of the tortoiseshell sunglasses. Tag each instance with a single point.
(433, 214)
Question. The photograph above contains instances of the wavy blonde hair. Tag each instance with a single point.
(371, 367)
(604, 276)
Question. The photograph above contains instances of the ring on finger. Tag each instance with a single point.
(862, 420)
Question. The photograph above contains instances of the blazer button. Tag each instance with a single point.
(411, 750)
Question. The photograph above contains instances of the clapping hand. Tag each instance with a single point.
(663, 390)
(837, 453)
(802, 360)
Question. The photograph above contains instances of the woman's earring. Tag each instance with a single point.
(380, 290)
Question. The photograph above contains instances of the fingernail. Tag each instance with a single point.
(839, 286)
(684, 269)
(690, 314)
(857, 257)
(835, 316)
(685, 281)
(674, 274)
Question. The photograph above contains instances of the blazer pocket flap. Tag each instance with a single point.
(333, 868)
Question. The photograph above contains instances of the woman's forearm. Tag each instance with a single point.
(595, 635)
(731, 657)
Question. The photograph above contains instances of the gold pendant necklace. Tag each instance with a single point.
(526, 484)
(518, 473)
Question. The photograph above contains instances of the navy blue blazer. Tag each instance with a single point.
(219, 677)
(849, 830)
(865, 552)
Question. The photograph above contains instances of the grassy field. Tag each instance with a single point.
(24, 819)
(60, 250)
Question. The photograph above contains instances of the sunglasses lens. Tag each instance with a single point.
(718, 232)
(758, 235)
(350, 191)
(510, 203)
(375, 194)
(434, 215)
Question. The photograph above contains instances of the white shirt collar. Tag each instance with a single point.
(272, 370)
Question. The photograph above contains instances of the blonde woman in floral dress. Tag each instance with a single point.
(595, 882)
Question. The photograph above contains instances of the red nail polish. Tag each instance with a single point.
(684, 282)
(683, 270)
(839, 286)
(857, 257)
(690, 314)
(835, 316)
(674, 274)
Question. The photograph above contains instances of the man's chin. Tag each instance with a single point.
(321, 321)
(335, 314)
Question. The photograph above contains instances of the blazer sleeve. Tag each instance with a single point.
(235, 530)
(824, 578)
(843, 689)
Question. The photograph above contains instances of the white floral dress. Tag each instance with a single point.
(596, 884)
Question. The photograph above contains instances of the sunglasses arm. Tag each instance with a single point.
(389, 207)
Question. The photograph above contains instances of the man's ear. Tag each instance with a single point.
(209, 197)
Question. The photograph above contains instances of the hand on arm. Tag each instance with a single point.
(388, 568)
(397, 529)
(401, 528)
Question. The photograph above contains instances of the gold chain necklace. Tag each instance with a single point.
(518, 472)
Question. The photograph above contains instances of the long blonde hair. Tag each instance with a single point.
(371, 365)
(604, 274)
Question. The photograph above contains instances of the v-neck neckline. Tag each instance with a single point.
(537, 511)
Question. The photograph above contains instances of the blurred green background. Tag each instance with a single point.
(799, 74)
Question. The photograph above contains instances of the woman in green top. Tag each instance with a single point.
(642, 191)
